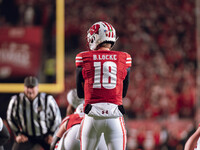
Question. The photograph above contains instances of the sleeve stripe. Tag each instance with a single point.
(128, 62)
(78, 57)
(78, 61)
(129, 58)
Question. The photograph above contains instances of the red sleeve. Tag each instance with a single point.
(64, 120)
(128, 60)
(79, 60)
(73, 120)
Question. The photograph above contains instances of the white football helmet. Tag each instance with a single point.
(73, 98)
(100, 32)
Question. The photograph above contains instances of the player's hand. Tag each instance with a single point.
(49, 139)
(21, 138)
(54, 141)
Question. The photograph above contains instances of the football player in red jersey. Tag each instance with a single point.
(102, 78)
(65, 138)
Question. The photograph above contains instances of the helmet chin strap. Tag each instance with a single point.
(114, 43)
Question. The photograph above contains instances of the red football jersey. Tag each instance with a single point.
(73, 119)
(103, 72)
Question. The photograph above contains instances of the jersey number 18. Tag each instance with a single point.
(108, 78)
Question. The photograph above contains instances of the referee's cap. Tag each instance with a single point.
(30, 81)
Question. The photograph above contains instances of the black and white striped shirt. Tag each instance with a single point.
(33, 118)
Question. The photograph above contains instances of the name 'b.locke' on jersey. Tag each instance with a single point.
(103, 73)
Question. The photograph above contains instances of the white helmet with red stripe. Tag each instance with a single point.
(73, 98)
(100, 32)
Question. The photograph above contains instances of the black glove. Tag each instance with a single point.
(53, 144)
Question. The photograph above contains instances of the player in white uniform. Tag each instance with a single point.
(193, 143)
(67, 136)
(198, 144)
(71, 142)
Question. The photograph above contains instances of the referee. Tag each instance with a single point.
(33, 117)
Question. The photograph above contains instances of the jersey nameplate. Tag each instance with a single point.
(104, 57)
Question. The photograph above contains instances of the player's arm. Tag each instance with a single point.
(59, 134)
(11, 115)
(79, 82)
(70, 109)
(192, 141)
(126, 82)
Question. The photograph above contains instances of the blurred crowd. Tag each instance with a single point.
(159, 35)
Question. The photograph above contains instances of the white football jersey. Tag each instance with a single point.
(198, 145)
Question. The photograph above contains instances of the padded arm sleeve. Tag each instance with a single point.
(125, 83)
(79, 82)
